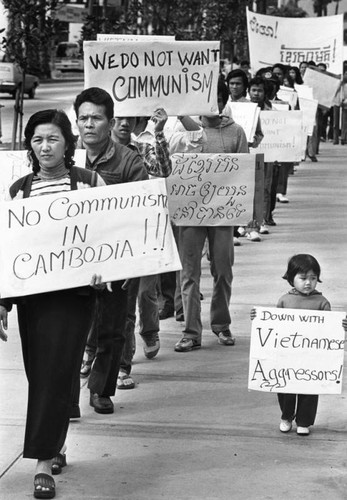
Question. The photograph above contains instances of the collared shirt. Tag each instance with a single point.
(156, 157)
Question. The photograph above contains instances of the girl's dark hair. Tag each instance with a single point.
(239, 73)
(58, 118)
(301, 263)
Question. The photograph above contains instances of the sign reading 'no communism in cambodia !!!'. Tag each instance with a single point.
(181, 77)
(59, 241)
(297, 351)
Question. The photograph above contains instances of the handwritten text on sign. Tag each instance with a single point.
(290, 40)
(211, 189)
(59, 241)
(296, 351)
(182, 77)
(282, 135)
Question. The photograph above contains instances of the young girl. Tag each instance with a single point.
(303, 274)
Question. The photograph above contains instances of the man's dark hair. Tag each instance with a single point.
(235, 73)
(97, 96)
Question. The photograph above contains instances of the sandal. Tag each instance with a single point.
(58, 463)
(43, 480)
(124, 381)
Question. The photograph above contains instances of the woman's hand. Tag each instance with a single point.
(344, 324)
(253, 313)
(98, 284)
(3, 323)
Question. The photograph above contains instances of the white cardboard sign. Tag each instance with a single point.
(59, 241)
(181, 77)
(211, 189)
(296, 351)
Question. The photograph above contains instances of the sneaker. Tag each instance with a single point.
(281, 198)
(186, 345)
(237, 242)
(285, 425)
(225, 337)
(264, 229)
(303, 431)
(180, 317)
(151, 345)
(242, 231)
(253, 236)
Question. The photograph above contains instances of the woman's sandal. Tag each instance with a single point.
(58, 463)
(41, 481)
(124, 381)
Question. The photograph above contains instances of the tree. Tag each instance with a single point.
(27, 44)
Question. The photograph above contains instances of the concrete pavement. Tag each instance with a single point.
(191, 430)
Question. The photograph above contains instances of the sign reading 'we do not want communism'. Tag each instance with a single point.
(297, 351)
(59, 241)
(181, 77)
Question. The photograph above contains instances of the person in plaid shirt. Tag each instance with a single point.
(156, 158)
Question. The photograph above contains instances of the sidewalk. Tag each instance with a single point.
(191, 430)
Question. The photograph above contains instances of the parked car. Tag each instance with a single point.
(11, 76)
(68, 57)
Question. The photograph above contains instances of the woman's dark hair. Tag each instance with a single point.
(239, 73)
(301, 263)
(298, 77)
(96, 96)
(58, 118)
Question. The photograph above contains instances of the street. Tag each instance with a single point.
(57, 94)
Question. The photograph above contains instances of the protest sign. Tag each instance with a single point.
(103, 37)
(296, 351)
(288, 95)
(211, 189)
(59, 241)
(181, 77)
(304, 91)
(289, 40)
(324, 86)
(309, 110)
(280, 106)
(282, 136)
(245, 114)
(15, 164)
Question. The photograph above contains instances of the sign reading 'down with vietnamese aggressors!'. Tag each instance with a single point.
(211, 189)
(180, 77)
(296, 351)
(59, 241)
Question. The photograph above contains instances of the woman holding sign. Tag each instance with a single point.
(53, 326)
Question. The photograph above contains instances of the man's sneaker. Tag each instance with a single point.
(303, 431)
(264, 229)
(253, 236)
(281, 198)
(151, 345)
(285, 425)
(242, 231)
(225, 337)
(237, 242)
(186, 345)
(101, 404)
